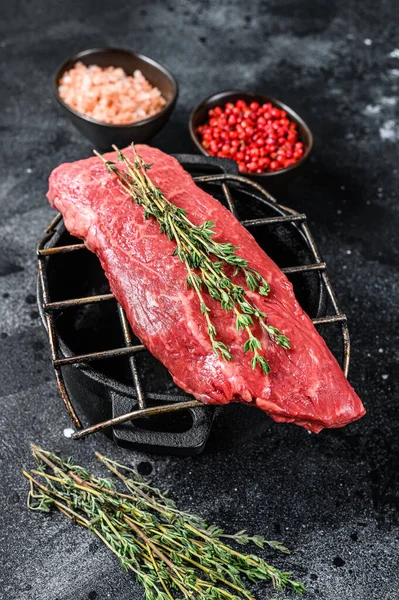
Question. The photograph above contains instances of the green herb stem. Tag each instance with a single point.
(172, 553)
(197, 250)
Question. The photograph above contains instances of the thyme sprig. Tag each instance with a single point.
(205, 259)
(172, 553)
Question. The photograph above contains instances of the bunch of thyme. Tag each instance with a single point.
(173, 554)
(205, 260)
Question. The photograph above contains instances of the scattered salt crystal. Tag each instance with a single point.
(68, 432)
(368, 42)
(380, 350)
(29, 170)
(390, 130)
(385, 376)
(372, 109)
(349, 251)
(339, 212)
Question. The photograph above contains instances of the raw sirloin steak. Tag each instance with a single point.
(306, 385)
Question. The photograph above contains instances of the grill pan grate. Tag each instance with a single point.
(226, 182)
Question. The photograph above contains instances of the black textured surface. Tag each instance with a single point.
(332, 498)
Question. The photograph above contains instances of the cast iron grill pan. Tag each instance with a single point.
(103, 369)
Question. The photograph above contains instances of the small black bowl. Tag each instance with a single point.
(200, 114)
(103, 135)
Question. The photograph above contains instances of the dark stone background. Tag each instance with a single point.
(332, 498)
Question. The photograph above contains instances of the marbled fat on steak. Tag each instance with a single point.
(306, 385)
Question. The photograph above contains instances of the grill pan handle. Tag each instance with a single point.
(148, 434)
(224, 165)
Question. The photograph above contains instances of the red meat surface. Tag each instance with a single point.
(306, 385)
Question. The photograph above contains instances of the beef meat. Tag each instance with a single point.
(306, 385)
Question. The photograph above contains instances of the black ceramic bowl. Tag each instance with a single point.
(103, 135)
(200, 114)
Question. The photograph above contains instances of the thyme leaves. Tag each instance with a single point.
(207, 261)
